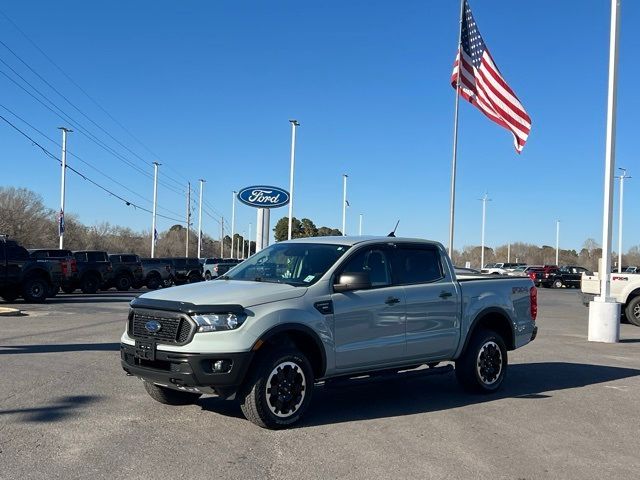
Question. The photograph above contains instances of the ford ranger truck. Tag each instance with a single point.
(324, 309)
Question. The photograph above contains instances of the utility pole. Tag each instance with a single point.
(509, 253)
(344, 204)
(294, 125)
(484, 201)
(63, 185)
(200, 218)
(188, 217)
(622, 178)
(154, 233)
(360, 227)
(557, 242)
(221, 237)
(233, 219)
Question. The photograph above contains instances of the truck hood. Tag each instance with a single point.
(220, 292)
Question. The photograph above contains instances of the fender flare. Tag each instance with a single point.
(296, 327)
(488, 312)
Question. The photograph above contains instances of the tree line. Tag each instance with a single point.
(25, 218)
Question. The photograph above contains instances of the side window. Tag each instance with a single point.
(416, 265)
(97, 257)
(371, 260)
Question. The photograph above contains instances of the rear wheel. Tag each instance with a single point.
(207, 275)
(35, 290)
(90, 284)
(557, 283)
(194, 277)
(632, 311)
(153, 282)
(169, 396)
(483, 365)
(123, 283)
(280, 390)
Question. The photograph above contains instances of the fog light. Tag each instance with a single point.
(221, 366)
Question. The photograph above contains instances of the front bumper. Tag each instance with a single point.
(188, 371)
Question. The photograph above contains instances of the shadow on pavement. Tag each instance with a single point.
(398, 397)
(54, 348)
(60, 408)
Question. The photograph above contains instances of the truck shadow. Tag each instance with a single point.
(58, 410)
(408, 396)
(56, 348)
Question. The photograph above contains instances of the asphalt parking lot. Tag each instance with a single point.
(569, 409)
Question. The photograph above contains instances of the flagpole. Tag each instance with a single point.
(155, 202)
(454, 159)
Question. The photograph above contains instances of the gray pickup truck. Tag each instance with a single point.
(326, 310)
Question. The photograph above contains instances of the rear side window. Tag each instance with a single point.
(416, 265)
(80, 257)
(129, 258)
(97, 256)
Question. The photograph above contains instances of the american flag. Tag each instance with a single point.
(482, 85)
(155, 236)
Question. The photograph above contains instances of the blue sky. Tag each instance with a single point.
(209, 87)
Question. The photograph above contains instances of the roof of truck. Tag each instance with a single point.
(353, 240)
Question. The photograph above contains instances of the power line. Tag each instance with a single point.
(95, 102)
(85, 177)
(84, 161)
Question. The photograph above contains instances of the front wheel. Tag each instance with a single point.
(280, 390)
(90, 284)
(207, 276)
(557, 284)
(194, 278)
(483, 365)
(123, 283)
(632, 311)
(169, 396)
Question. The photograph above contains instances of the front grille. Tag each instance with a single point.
(174, 327)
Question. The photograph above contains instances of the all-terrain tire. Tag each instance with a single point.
(123, 283)
(35, 289)
(483, 365)
(280, 389)
(154, 282)
(169, 396)
(557, 283)
(90, 284)
(632, 311)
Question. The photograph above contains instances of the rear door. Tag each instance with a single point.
(433, 301)
(369, 325)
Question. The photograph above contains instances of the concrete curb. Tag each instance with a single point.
(9, 312)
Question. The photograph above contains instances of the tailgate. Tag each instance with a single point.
(590, 284)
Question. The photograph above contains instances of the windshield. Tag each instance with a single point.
(293, 263)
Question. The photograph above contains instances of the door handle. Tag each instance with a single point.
(392, 301)
(445, 294)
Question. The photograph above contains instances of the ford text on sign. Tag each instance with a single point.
(262, 196)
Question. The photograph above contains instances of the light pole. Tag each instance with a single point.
(233, 219)
(294, 125)
(63, 185)
(622, 178)
(221, 237)
(186, 252)
(154, 233)
(344, 204)
(249, 243)
(509, 253)
(360, 226)
(557, 242)
(604, 311)
(200, 218)
(485, 198)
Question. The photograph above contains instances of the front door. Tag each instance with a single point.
(369, 324)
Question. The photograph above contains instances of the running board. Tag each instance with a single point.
(385, 375)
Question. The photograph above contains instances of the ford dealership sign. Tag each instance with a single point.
(262, 196)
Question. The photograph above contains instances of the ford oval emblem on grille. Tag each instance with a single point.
(153, 326)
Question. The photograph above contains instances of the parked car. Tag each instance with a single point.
(20, 275)
(215, 267)
(94, 271)
(566, 276)
(325, 309)
(126, 271)
(544, 275)
(625, 288)
(185, 270)
(67, 263)
(156, 273)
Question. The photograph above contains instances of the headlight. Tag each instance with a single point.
(214, 322)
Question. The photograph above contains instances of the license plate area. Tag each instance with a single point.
(145, 350)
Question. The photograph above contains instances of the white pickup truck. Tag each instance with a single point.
(625, 288)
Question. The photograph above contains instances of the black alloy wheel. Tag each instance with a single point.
(482, 367)
(632, 311)
(123, 283)
(90, 284)
(35, 290)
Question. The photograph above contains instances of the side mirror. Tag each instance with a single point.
(353, 281)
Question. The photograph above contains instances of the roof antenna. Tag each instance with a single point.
(393, 233)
